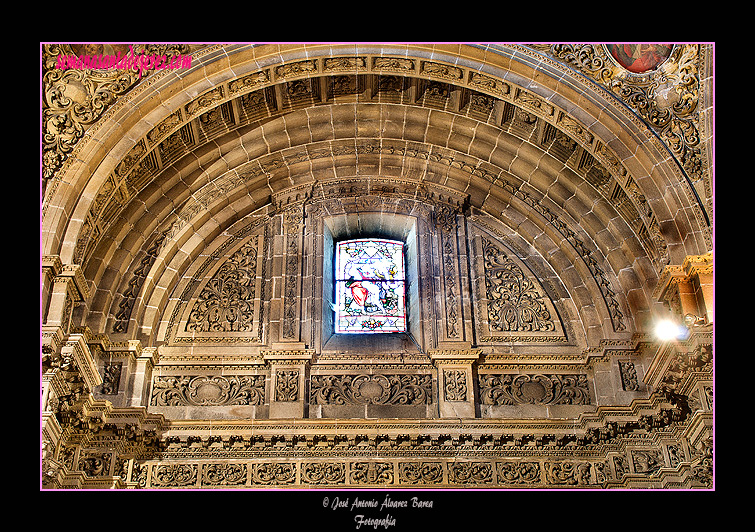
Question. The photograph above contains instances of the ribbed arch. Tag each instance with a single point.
(476, 157)
(189, 183)
(547, 87)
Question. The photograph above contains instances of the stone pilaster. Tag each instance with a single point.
(456, 382)
(288, 378)
(140, 379)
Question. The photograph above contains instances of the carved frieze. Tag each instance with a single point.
(208, 391)
(387, 389)
(552, 389)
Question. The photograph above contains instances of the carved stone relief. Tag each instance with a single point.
(226, 303)
(229, 306)
(385, 389)
(549, 389)
(511, 305)
(208, 391)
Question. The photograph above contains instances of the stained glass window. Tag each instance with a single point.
(369, 279)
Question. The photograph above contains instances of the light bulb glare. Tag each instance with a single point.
(667, 330)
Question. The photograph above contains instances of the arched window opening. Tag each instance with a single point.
(370, 286)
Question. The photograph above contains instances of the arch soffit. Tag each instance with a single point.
(234, 170)
(574, 121)
(186, 244)
(518, 143)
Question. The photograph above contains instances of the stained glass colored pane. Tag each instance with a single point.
(369, 279)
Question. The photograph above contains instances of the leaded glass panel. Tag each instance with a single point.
(369, 279)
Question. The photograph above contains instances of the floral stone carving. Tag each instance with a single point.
(514, 302)
(208, 391)
(370, 389)
(226, 304)
(502, 389)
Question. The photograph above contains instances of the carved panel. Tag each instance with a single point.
(629, 381)
(111, 378)
(455, 385)
(420, 472)
(208, 391)
(512, 305)
(274, 473)
(324, 473)
(224, 474)
(370, 389)
(226, 304)
(174, 475)
(470, 473)
(519, 473)
(514, 301)
(513, 389)
(287, 385)
(371, 473)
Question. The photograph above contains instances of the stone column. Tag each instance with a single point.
(456, 385)
(288, 379)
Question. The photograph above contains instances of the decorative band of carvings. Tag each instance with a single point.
(495, 389)
(520, 473)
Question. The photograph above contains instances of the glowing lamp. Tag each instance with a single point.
(667, 330)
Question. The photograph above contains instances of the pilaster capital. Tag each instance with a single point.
(149, 355)
(454, 356)
(673, 274)
(71, 273)
(52, 263)
(288, 356)
(76, 346)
